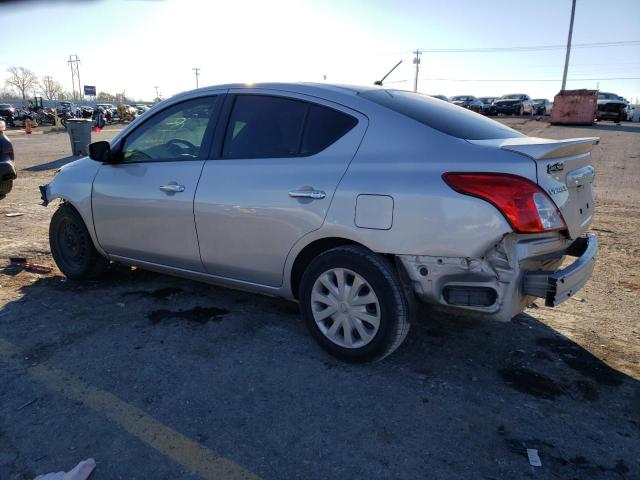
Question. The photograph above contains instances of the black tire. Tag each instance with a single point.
(72, 247)
(383, 278)
(5, 187)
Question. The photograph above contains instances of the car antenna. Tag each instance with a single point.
(379, 82)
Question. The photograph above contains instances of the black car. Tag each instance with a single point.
(487, 105)
(7, 113)
(514, 104)
(7, 168)
(467, 101)
(542, 106)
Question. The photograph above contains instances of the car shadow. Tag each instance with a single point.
(462, 394)
(52, 164)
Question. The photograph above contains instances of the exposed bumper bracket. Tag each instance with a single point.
(556, 287)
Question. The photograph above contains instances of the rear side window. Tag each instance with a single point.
(445, 117)
(324, 126)
(264, 126)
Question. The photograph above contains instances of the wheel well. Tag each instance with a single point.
(310, 252)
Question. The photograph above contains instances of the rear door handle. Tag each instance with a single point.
(172, 188)
(313, 194)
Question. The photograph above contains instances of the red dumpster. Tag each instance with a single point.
(574, 107)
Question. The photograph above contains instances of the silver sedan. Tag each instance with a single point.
(357, 202)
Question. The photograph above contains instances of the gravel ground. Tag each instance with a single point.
(158, 377)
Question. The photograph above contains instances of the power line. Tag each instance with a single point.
(529, 48)
(519, 79)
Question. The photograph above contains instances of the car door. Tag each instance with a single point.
(143, 204)
(271, 181)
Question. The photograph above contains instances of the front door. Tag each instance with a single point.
(143, 205)
(271, 182)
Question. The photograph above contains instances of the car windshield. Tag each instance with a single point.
(5, 105)
(487, 99)
(444, 117)
(459, 99)
(608, 96)
(514, 96)
(539, 100)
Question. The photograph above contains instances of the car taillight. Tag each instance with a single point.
(525, 205)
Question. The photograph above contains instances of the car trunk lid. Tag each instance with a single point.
(564, 171)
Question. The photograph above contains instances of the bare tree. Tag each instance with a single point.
(23, 79)
(51, 89)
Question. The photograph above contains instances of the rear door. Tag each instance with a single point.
(143, 205)
(270, 180)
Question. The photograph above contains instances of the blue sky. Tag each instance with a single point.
(134, 45)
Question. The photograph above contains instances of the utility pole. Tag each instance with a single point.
(74, 63)
(416, 62)
(566, 60)
(197, 71)
(156, 87)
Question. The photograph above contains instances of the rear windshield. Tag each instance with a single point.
(445, 117)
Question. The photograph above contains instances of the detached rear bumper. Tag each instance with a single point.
(556, 287)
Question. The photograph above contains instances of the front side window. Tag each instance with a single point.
(176, 133)
(263, 126)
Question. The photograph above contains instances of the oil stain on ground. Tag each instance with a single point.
(532, 383)
(199, 315)
(159, 294)
(579, 359)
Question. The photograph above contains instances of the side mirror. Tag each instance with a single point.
(100, 151)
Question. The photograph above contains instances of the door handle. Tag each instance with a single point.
(313, 194)
(173, 188)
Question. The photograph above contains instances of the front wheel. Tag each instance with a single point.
(5, 187)
(72, 247)
(353, 304)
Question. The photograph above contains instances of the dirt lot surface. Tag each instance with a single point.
(158, 377)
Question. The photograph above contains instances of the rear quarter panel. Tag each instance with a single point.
(405, 159)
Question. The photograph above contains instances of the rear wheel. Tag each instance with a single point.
(353, 304)
(72, 247)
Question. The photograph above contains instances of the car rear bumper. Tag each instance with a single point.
(556, 287)
(507, 278)
(7, 170)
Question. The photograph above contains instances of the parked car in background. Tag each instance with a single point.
(487, 105)
(611, 107)
(440, 97)
(514, 104)
(542, 106)
(357, 202)
(141, 108)
(7, 113)
(467, 101)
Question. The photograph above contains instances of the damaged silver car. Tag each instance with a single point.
(356, 202)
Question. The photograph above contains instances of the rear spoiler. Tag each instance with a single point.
(541, 148)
